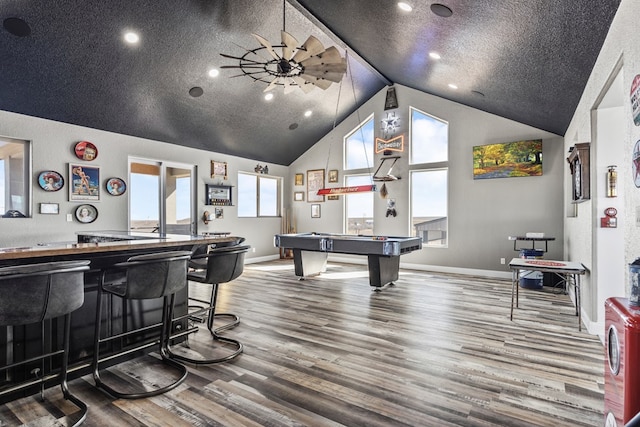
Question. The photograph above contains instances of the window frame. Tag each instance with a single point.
(278, 201)
(27, 179)
(415, 167)
(369, 160)
(345, 224)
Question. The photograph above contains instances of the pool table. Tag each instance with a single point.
(310, 252)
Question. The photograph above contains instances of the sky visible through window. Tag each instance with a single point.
(359, 154)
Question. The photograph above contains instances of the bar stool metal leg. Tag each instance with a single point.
(152, 276)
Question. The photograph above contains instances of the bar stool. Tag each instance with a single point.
(224, 264)
(35, 293)
(142, 277)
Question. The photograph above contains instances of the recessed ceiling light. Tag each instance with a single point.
(434, 55)
(441, 10)
(268, 97)
(293, 126)
(131, 37)
(405, 6)
(453, 86)
(308, 113)
(214, 72)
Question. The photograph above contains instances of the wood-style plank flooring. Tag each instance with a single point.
(433, 350)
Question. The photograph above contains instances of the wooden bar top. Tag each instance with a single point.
(128, 241)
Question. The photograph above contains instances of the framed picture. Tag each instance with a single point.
(219, 195)
(315, 181)
(85, 150)
(508, 160)
(50, 181)
(116, 186)
(49, 208)
(333, 175)
(219, 213)
(299, 179)
(315, 210)
(333, 197)
(84, 183)
(86, 213)
(218, 169)
(298, 196)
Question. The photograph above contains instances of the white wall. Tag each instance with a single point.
(482, 213)
(621, 49)
(53, 144)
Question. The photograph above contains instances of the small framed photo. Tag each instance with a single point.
(299, 179)
(298, 196)
(333, 175)
(84, 183)
(49, 208)
(315, 210)
(333, 197)
(219, 169)
(219, 213)
(86, 213)
(116, 186)
(50, 181)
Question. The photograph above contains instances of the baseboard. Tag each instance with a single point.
(261, 259)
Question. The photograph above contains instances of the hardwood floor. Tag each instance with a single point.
(433, 350)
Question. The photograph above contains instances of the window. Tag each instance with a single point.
(429, 178)
(359, 207)
(358, 146)
(258, 195)
(15, 176)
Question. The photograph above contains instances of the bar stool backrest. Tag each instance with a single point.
(224, 264)
(36, 292)
(155, 275)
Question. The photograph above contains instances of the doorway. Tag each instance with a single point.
(162, 197)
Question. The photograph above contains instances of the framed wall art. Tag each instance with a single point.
(315, 210)
(86, 213)
(84, 183)
(219, 195)
(315, 181)
(298, 196)
(508, 160)
(299, 179)
(116, 186)
(333, 175)
(219, 169)
(50, 181)
(85, 150)
(49, 208)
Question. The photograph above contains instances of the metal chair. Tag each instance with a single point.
(142, 277)
(36, 293)
(223, 265)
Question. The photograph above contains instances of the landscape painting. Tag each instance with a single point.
(507, 160)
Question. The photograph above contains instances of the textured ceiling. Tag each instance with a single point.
(525, 60)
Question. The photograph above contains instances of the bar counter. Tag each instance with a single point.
(103, 249)
(95, 243)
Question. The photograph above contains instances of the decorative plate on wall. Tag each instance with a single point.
(50, 181)
(86, 213)
(116, 186)
(85, 150)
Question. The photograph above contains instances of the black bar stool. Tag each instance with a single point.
(150, 276)
(35, 293)
(223, 264)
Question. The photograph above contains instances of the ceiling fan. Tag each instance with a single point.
(291, 65)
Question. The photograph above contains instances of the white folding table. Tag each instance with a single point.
(568, 271)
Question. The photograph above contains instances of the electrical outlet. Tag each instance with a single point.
(253, 250)
(502, 260)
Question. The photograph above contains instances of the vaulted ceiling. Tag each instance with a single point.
(66, 61)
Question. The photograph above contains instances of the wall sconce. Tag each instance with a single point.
(612, 181)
